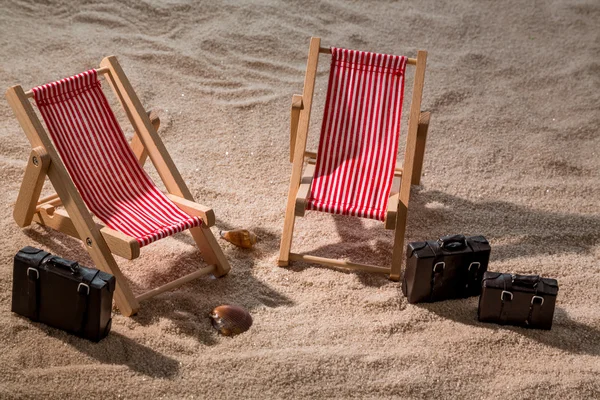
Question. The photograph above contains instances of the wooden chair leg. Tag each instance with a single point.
(299, 149)
(286, 237)
(210, 249)
(399, 233)
(410, 157)
(124, 298)
(31, 187)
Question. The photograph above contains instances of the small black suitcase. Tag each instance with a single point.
(523, 300)
(62, 294)
(448, 268)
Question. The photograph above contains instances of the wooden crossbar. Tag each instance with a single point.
(49, 199)
(327, 50)
(331, 262)
(103, 70)
(176, 283)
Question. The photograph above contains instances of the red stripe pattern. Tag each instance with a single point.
(359, 135)
(101, 163)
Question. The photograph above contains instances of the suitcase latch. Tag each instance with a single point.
(474, 264)
(540, 298)
(504, 292)
(84, 285)
(37, 273)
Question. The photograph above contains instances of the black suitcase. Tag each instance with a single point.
(448, 268)
(523, 300)
(62, 294)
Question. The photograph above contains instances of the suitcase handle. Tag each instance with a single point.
(529, 281)
(452, 242)
(72, 266)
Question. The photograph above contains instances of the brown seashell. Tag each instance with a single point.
(240, 237)
(231, 320)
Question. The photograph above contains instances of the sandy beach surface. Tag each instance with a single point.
(513, 154)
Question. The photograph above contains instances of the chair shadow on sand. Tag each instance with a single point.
(566, 333)
(186, 313)
(433, 214)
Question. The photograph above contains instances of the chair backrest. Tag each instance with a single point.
(359, 135)
(93, 148)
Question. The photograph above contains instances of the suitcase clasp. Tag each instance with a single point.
(36, 272)
(508, 293)
(84, 285)
(474, 264)
(534, 298)
(441, 269)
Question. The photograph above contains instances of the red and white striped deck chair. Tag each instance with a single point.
(355, 170)
(95, 171)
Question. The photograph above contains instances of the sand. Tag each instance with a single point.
(513, 154)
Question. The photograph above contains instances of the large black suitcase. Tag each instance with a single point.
(523, 300)
(62, 294)
(451, 267)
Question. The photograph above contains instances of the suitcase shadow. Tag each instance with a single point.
(117, 349)
(566, 334)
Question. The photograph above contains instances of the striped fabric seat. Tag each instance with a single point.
(101, 163)
(359, 135)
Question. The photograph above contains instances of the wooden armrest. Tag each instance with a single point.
(304, 190)
(297, 105)
(118, 243)
(392, 205)
(194, 209)
(31, 187)
(420, 147)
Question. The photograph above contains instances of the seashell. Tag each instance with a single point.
(240, 237)
(231, 320)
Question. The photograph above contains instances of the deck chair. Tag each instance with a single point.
(355, 172)
(94, 171)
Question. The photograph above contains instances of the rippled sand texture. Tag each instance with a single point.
(513, 154)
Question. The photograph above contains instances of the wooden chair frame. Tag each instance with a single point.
(102, 242)
(302, 177)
